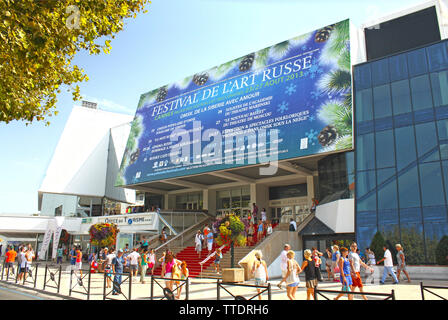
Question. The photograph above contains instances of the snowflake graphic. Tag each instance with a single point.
(290, 89)
(312, 136)
(315, 70)
(283, 107)
(315, 95)
(311, 118)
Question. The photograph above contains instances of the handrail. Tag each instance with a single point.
(209, 257)
(182, 233)
(167, 224)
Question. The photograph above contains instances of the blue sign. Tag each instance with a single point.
(283, 102)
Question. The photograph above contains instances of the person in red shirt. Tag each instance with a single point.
(79, 260)
(10, 258)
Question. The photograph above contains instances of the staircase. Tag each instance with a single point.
(240, 253)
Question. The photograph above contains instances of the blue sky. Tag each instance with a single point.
(175, 39)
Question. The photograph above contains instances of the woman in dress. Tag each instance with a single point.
(184, 273)
(292, 275)
(260, 271)
(250, 234)
(401, 262)
(346, 267)
(167, 269)
(151, 261)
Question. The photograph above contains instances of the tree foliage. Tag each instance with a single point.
(38, 41)
(377, 245)
(442, 251)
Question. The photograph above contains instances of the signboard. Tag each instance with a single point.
(130, 220)
(283, 102)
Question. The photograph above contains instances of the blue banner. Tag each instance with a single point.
(283, 102)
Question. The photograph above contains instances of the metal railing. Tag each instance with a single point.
(80, 283)
(220, 285)
(29, 271)
(116, 287)
(209, 257)
(424, 288)
(319, 292)
(53, 274)
(184, 236)
(184, 282)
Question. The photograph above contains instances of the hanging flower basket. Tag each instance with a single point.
(231, 230)
(103, 234)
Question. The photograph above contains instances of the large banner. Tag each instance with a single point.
(283, 102)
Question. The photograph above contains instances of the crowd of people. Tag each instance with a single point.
(24, 256)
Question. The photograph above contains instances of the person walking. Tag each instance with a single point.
(263, 215)
(143, 265)
(73, 258)
(22, 261)
(260, 271)
(335, 262)
(198, 243)
(59, 255)
(133, 262)
(357, 263)
(328, 263)
(78, 261)
(388, 266)
(184, 274)
(10, 258)
(284, 263)
(108, 269)
(259, 231)
(209, 242)
(401, 262)
(118, 264)
(346, 268)
(151, 261)
(250, 234)
(315, 255)
(167, 269)
(254, 212)
(292, 225)
(309, 266)
(269, 229)
(292, 276)
(218, 257)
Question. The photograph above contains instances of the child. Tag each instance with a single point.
(218, 257)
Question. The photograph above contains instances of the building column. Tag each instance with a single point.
(310, 188)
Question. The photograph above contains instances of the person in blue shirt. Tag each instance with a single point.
(73, 256)
(118, 264)
(209, 242)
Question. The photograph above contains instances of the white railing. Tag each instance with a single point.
(210, 256)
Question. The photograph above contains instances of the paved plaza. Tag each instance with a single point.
(199, 289)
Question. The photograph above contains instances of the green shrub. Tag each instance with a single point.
(377, 245)
(442, 251)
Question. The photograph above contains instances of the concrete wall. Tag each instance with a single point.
(51, 201)
(271, 249)
(338, 215)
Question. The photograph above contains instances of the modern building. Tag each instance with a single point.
(392, 176)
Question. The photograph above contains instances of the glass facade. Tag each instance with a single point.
(401, 124)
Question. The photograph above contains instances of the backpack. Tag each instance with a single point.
(291, 227)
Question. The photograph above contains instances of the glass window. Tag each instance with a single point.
(380, 72)
(364, 105)
(437, 57)
(442, 129)
(398, 67)
(405, 147)
(417, 62)
(401, 97)
(413, 242)
(439, 82)
(421, 93)
(387, 189)
(381, 101)
(365, 183)
(367, 202)
(434, 231)
(409, 189)
(362, 76)
(427, 144)
(445, 176)
(365, 156)
(410, 216)
(385, 156)
(431, 184)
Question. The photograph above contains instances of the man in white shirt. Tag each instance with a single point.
(388, 266)
(292, 225)
(284, 263)
(133, 262)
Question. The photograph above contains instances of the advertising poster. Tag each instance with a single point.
(286, 101)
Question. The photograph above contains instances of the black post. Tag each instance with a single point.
(218, 294)
(130, 284)
(17, 273)
(104, 290)
(71, 276)
(232, 255)
(3, 269)
(187, 285)
(393, 294)
(45, 277)
(315, 294)
(35, 275)
(269, 292)
(152, 287)
(59, 282)
(88, 285)
(421, 289)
